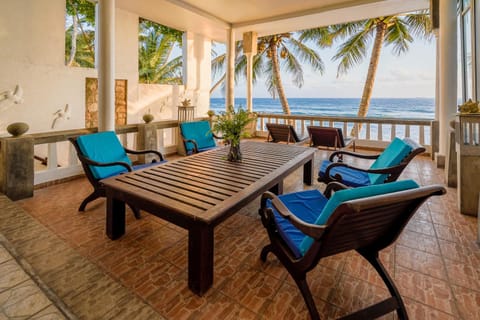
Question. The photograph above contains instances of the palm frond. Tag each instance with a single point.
(352, 51)
(420, 25)
(397, 35)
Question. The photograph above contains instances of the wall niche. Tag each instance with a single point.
(91, 102)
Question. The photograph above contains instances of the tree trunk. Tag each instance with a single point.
(218, 83)
(278, 80)
(372, 71)
(73, 48)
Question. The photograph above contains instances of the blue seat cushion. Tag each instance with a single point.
(306, 205)
(350, 177)
(103, 147)
(393, 155)
(351, 194)
(200, 132)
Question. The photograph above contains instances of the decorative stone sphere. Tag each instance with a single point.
(148, 118)
(17, 128)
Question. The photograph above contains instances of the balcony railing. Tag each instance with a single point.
(58, 160)
(374, 132)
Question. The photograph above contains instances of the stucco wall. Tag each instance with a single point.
(32, 42)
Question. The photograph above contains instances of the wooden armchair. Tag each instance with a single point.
(197, 136)
(387, 166)
(365, 219)
(102, 156)
(329, 137)
(283, 132)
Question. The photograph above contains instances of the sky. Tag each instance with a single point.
(409, 75)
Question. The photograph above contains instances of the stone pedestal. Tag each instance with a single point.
(147, 140)
(451, 160)
(467, 137)
(16, 167)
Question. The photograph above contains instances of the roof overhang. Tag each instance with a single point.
(213, 18)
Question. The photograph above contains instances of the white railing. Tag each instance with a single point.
(374, 132)
(58, 153)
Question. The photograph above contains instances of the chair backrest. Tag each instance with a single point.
(326, 137)
(102, 147)
(343, 196)
(374, 223)
(282, 132)
(200, 132)
(397, 152)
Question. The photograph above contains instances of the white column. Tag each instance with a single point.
(230, 72)
(106, 65)
(448, 71)
(250, 50)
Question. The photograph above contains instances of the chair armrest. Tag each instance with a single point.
(159, 155)
(195, 145)
(334, 186)
(91, 162)
(339, 154)
(312, 230)
(387, 170)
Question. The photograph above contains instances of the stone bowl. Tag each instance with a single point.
(17, 128)
(148, 118)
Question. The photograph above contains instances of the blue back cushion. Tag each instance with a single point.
(351, 194)
(103, 147)
(395, 152)
(198, 131)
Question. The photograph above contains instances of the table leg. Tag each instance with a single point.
(115, 218)
(200, 259)
(277, 189)
(308, 172)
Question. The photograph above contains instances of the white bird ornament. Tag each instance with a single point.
(61, 114)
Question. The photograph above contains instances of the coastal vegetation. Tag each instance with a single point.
(80, 34)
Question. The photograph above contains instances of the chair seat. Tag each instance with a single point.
(306, 205)
(350, 177)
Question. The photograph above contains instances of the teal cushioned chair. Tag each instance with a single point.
(306, 226)
(102, 156)
(387, 166)
(197, 136)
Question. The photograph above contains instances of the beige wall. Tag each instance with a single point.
(32, 43)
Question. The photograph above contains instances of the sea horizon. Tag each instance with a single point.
(411, 108)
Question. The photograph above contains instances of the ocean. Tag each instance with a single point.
(400, 108)
(407, 108)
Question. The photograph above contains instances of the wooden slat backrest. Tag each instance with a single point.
(372, 223)
(326, 137)
(282, 132)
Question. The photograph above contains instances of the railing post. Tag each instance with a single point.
(16, 167)
(147, 140)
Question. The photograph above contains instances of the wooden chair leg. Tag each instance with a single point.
(307, 297)
(377, 264)
(94, 195)
(265, 251)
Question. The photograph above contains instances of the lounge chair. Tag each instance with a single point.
(197, 136)
(387, 166)
(329, 137)
(102, 156)
(307, 226)
(283, 132)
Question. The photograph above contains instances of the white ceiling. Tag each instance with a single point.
(213, 18)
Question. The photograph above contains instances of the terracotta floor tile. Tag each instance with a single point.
(427, 290)
(421, 261)
(419, 241)
(416, 310)
(463, 275)
(468, 302)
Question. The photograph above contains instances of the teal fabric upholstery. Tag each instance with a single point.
(351, 194)
(103, 147)
(200, 132)
(395, 152)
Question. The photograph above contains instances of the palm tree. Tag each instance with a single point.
(272, 50)
(80, 34)
(397, 30)
(156, 43)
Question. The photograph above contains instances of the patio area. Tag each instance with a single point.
(435, 263)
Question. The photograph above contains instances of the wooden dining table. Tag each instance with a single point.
(200, 191)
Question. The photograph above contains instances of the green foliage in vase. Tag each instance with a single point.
(231, 124)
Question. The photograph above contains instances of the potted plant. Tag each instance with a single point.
(231, 125)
